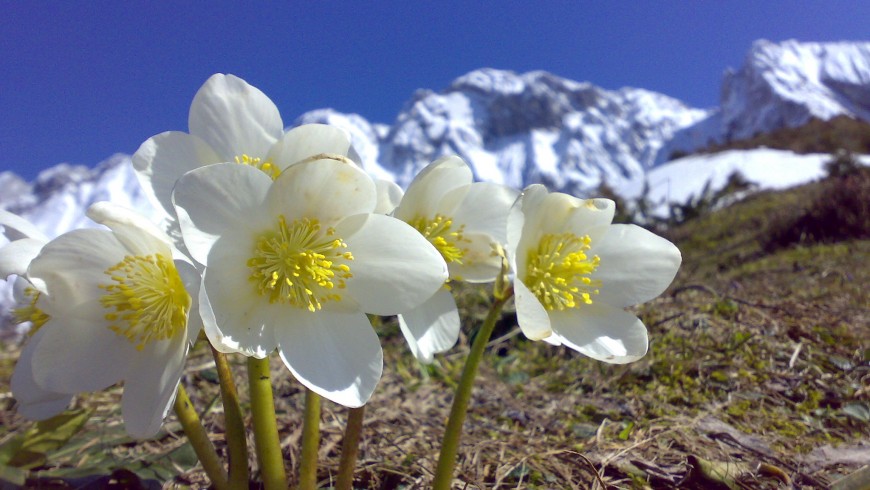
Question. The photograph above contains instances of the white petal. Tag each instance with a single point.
(70, 267)
(192, 280)
(79, 355)
(306, 141)
(527, 202)
(432, 327)
(138, 234)
(209, 324)
(16, 227)
(480, 263)
(602, 332)
(394, 267)
(336, 355)
(429, 186)
(529, 199)
(219, 199)
(19, 290)
(161, 160)
(150, 386)
(592, 218)
(328, 190)
(234, 118)
(218, 340)
(531, 315)
(554, 339)
(636, 265)
(16, 256)
(484, 209)
(34, 403)
(559, 212)
(235, 316)
(389, 196)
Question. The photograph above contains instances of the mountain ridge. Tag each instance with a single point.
(783, 85)
(511, 127)
(536, 127)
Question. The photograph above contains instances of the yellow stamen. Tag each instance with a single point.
(266, 167)
(439, 231)
(30, 312)
(558, 271)
(146, 299)
(300, 264)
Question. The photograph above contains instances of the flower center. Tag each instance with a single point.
(439, 231)
(30, 312)
(300, 264)
(266, 167)
(146, 299)
(558, 271)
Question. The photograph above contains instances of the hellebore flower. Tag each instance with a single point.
(230, 121)
(575, 272)
(466, 222)
(116, 308)
(26, 241)
(296, 263)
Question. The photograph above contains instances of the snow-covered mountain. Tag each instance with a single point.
(528, 128)
(519, 129)
(57, 200)
(536, 127)
(783, 85)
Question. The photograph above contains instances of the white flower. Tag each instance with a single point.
(230, 121)
(576, 272)
(26, 241)
(389, 196)
(116, 309)
(465, 221)
(296, 264)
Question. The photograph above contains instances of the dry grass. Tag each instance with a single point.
(757, 377)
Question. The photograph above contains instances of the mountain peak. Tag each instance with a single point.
(487, 81)
(534, 127)
(785, 84)
(497, 82)
(782, 85)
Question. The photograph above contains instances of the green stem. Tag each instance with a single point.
(453, 431)
(350, 448)
(237, 444)
(198, 438)
(268, 446)
(310, 442)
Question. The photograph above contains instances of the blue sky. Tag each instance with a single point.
(83, 80)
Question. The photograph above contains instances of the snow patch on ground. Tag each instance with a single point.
(679, 180)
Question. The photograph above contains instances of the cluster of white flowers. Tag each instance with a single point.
(279, 241)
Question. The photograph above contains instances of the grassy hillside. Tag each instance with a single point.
(841, 133)
(757, 377)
